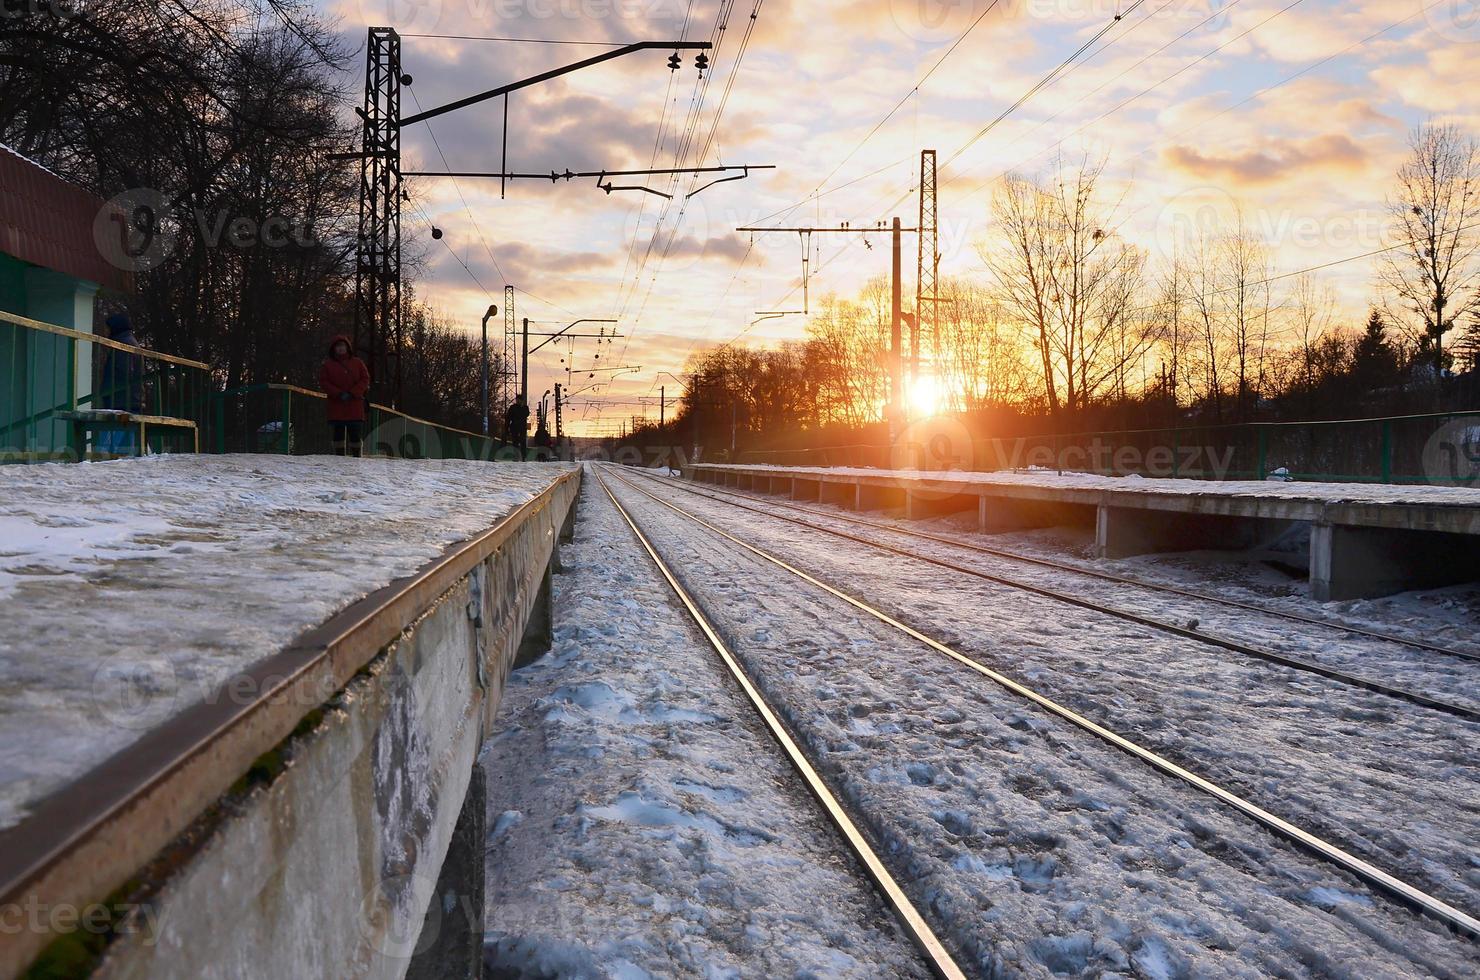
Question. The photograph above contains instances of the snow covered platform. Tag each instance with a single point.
(1365, 539)
(216, 683)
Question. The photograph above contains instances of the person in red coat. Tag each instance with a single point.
(346, 381)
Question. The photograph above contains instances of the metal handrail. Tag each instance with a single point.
(93, 338)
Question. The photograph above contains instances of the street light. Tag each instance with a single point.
(492, 312)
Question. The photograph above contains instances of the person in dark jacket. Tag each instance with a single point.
(123, 370)
(516, 423)
(346, 380)
(120, 385)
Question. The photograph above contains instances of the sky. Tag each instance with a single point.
(1296, 113)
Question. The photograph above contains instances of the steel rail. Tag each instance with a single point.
(1440, 910)
(930, 947)
(1112, 577)
(82, 841)
(1412, 697)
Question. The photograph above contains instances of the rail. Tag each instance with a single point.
(1371, 634)
(919, 931)
(1467, 712)
(1454, 918)
(288, 419)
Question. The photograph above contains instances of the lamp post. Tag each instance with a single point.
(492, 312)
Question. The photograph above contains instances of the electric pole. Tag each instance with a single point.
(896, 339)
(524, 366)
(492, 312)
(506, 370)
(662, 405)
(927, 267)
(896, 380)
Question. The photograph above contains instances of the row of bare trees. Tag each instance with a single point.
(1070, 319)
(222, 116)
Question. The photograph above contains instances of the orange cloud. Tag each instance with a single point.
(1274, 161)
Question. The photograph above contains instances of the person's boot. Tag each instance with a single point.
(338, 447)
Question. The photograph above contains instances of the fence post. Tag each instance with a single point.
(1263, 442)
(285, 438)
(1387, 451)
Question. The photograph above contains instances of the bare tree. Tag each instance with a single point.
(979, 359)
(1313, 311)
(1434, 277)
(1245, 302)
(1069, 279)
(1174, 329)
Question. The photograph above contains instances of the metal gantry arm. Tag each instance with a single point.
(494, 93)
(562, 332)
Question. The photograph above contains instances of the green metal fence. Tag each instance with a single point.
(60, 389)
(49, 374)
(287, 419)
(1441, 449)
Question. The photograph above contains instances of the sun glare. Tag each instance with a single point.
(926, 396)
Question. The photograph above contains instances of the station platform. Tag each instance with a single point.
(1366, 540)
(216, 685)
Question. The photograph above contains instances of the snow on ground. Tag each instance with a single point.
(1271, 576)
(1396, 784)
(1365, 493)
(1041, 849)
(1439, 676)
(130, 589)
(641, 821)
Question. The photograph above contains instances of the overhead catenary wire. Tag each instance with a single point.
(1243, 34)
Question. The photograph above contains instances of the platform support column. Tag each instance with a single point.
(451, 942)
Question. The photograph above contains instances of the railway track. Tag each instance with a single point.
(1456, 919)
(1254, 607)
(1464, 711)
(931, 949)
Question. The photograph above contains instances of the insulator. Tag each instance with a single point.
(701, 62)
(436, 232)
(674, 62)
(405, 79)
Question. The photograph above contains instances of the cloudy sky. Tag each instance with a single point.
(1296, 112)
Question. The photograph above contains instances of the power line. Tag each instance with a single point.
(1058, 72)
(1221, 112)
(1309, 269)
(887, 116)
(520, 40)
(713, 130)
(458, 188)
(721, 23)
